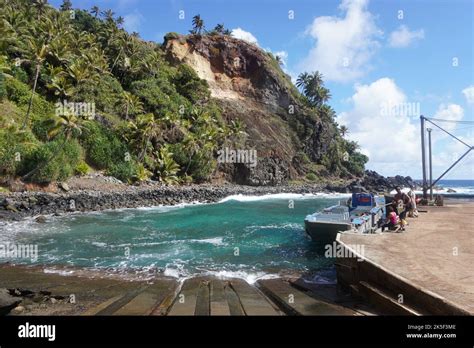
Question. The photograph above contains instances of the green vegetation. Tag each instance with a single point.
(342, 156)
(145, 117)
(142, 106)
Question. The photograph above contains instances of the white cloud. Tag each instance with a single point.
(451, 112)
(241, 34)
(469, 94)
(403, 37)
(133, 21)
(390, 140)
(344, 45)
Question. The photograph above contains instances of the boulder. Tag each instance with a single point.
(41, 219)
(63, 186)
(7, 302)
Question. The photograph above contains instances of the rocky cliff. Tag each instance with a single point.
(249, 85)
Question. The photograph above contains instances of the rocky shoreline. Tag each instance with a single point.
(18, 205)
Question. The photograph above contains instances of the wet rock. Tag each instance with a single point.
(18, 310)
(41, 219)
(7, 301)
(450, 190)
(12, 208)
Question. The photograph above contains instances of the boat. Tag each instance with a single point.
(363, 213)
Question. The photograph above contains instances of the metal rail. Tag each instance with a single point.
(427, 187)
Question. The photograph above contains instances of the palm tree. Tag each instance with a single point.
(108, 15)
(219, 29)
(95, 10)
(59, 83)
(166, 166)
(279, 60)
(131, 103)
(40, 6)
(120, 20)
(68, 125)
(343, 130)
(313, 88)
(66, 5)
(141, 133)
(198, 25)
(192, 146)
(38, 48)
(303, 80)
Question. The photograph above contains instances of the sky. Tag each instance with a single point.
(385, 63)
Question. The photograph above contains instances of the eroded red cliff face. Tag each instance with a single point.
(249, 85)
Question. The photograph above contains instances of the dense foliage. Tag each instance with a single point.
(149, 119)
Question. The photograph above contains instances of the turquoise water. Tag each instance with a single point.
(244, 236)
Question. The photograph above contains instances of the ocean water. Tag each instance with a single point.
(241, 236)
(460, 186)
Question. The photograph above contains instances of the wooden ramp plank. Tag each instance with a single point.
(203, 299)
(253, 302)
(235, 307)
(295, 302)
(101, 306)
(145, 302)
(219, 305)
(185, 302)
(122, 301)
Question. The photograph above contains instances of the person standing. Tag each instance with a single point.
(401, 203)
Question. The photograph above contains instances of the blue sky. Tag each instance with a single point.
(378, 58)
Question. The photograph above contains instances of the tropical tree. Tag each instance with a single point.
(198, 25)
(95, 10)
(40, 6)
(218, 29)
(142, 133)
(120, 20)
(108, 15)
(130, 104)
(166, 167)
(66, 125)
(343, 130)
(38, 50)
(313, 88)
(279, 60)
(66, 5)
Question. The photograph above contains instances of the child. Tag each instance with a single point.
(393, 223)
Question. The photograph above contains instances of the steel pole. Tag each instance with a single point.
(430, 162)
(423, 160)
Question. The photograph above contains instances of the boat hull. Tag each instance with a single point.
(324, 232)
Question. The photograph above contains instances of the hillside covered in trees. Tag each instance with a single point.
(80, 94)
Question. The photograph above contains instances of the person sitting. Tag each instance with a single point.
(393, 223)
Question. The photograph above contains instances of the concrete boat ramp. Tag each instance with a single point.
(52, 294)
(428, 269)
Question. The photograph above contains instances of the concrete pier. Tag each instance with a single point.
(428, 269)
